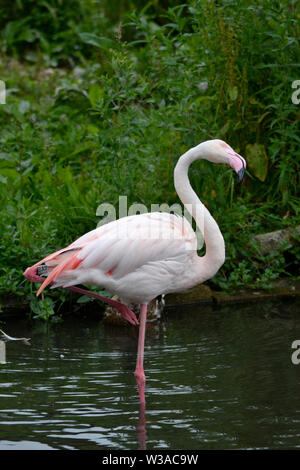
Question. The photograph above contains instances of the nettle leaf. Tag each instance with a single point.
(233, 93)
(95, 94)
(257, 160)
(98, 41)
(84, 299)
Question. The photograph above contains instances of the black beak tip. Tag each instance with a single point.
(241, 174)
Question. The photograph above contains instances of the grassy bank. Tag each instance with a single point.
(103, 104)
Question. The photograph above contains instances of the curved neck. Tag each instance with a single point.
(215, 247)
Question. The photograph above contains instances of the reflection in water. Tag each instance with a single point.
(216, 379)
(141, 428)
(6, 337)
(2, 352)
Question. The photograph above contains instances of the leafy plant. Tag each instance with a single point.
(101, 103)
(43, 309)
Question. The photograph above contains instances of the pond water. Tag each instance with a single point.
(217, 378)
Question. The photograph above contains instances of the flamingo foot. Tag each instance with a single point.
(128, 314)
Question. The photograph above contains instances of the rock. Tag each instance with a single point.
(155, 308)
(274, 240)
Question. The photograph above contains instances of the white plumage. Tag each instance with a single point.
(136, 257)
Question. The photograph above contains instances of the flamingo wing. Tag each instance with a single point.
(119, 248)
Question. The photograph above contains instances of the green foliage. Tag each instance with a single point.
(146, 86)
(42, 309)
(49, 31)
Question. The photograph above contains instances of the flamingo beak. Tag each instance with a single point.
(241, 174)
(238, 163)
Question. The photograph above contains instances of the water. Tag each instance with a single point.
(216, 379)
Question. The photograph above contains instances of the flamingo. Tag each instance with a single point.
(142, 256)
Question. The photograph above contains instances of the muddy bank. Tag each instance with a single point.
(203, 294)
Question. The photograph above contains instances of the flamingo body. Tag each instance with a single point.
(136, 258)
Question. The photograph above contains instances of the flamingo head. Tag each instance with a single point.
(219, 152)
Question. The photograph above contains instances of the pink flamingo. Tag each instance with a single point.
(140, 257)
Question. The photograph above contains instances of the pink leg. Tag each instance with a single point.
(139, 371)
(31, 275)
